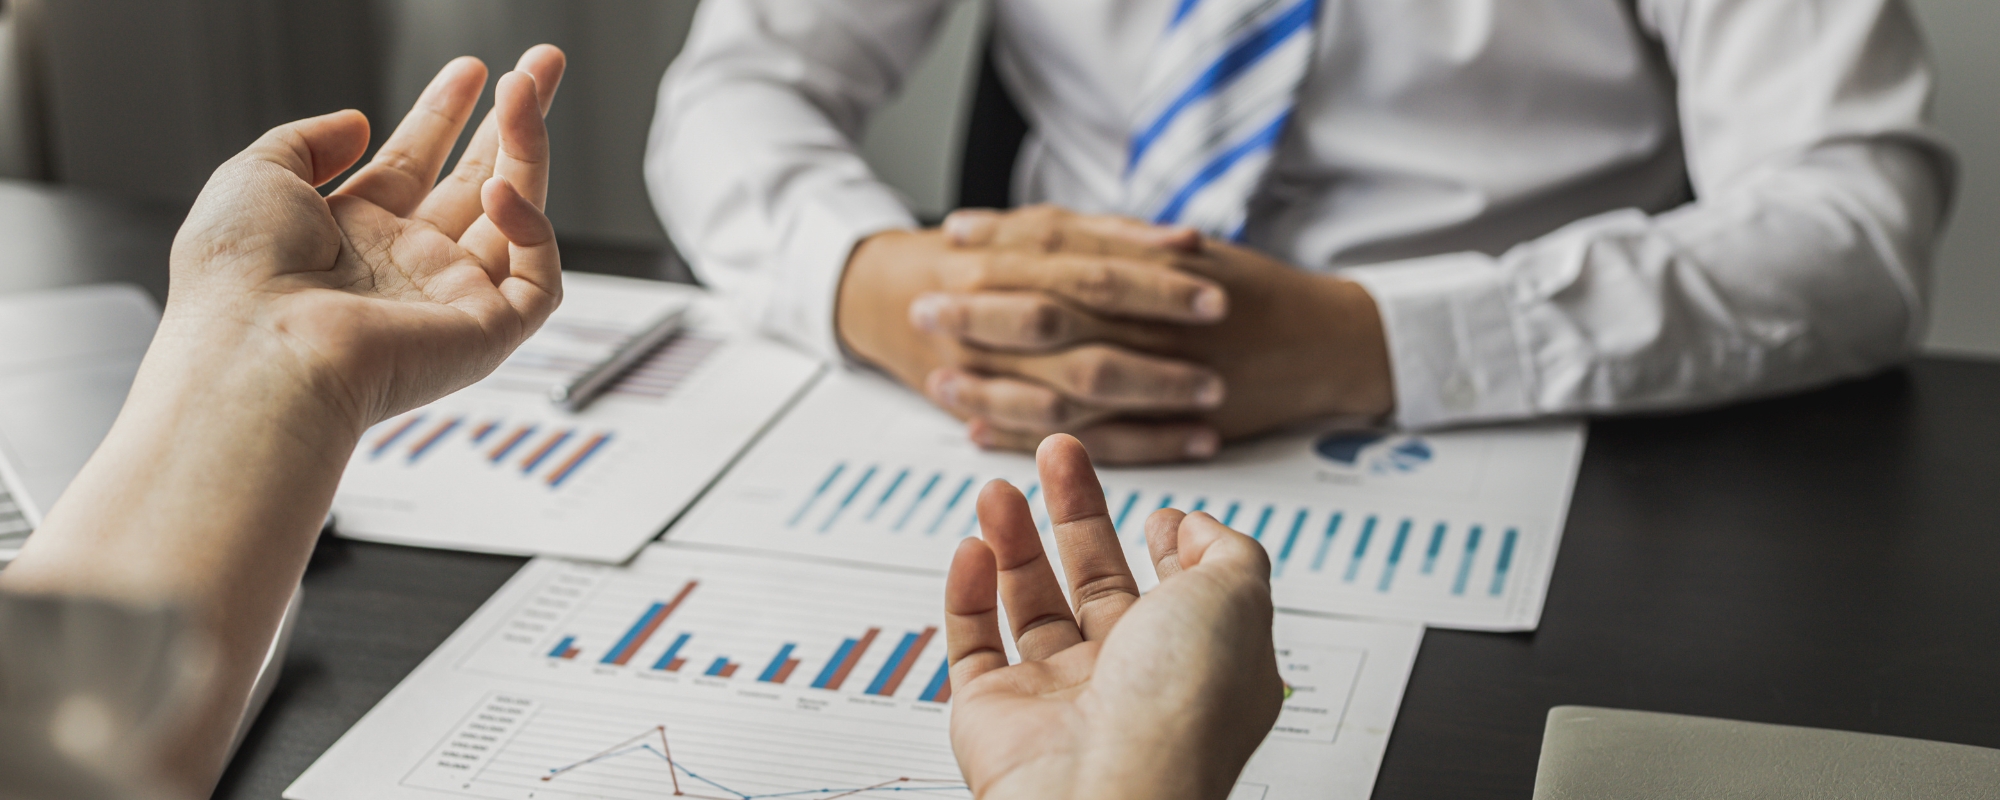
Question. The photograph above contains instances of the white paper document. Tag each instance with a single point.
(497, 467)
(709, 674)
(67, 359)
(1457, 529)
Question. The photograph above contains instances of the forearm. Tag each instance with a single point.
(1331, 359)
(1801, 276)
(206, 495)
(774, 229)
(753, 162)
(887, 272)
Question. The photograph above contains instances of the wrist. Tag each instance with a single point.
(243, 369)
(1102, 776)
(224, 450)
(884, 274)
(1357, 380)
(1148, 776)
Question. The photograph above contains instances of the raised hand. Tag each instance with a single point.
(394, 289)
(292, 322)
(1115, 695)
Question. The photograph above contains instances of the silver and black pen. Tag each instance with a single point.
(576, 393)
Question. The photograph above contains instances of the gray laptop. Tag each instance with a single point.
(1609, 754)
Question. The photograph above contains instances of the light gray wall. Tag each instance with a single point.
(618, 49)
(1965, 290)
(915, 142)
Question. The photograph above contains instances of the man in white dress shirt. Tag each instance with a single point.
(1263, 211)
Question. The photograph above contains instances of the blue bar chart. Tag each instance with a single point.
(927, 503)
(1397, 562)
(1455, 528)
(1359, 548)
(1417, 560)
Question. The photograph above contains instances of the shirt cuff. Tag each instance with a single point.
(1454, 351)
(812, 260)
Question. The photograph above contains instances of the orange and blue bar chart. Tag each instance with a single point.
(551, 455)
(841, 664)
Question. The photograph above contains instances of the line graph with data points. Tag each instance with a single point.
(642, 744)
(523, 747)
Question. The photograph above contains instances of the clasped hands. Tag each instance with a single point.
(1149, 344)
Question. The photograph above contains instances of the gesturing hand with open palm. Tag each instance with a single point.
(395, 288)
(1116, 695)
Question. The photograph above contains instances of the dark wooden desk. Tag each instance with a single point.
(1831, 559)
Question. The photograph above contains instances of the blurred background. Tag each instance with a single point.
(141, 100)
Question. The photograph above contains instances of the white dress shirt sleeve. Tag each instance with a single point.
(1819, 190)
(752, 161)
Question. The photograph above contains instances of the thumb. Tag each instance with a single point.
(1208, 544)
(316, 149)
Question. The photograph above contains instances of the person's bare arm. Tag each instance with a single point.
(293, 322)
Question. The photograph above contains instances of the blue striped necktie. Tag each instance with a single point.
(1218, 92)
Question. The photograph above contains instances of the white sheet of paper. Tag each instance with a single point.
(67, 359)
(498, 468)
(578, 681)
(1457, 529)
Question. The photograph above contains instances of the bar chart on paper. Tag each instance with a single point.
(549, 453)
(564, 350)
(712, 674)
(826, 642)
(497, 467)
(1457, 529)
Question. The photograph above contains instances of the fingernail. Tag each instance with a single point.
(944, 387)
(927, 312)
(1209, 304)
(1203, 444)
(1210, 394)
(964, 227)
(979, 434)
